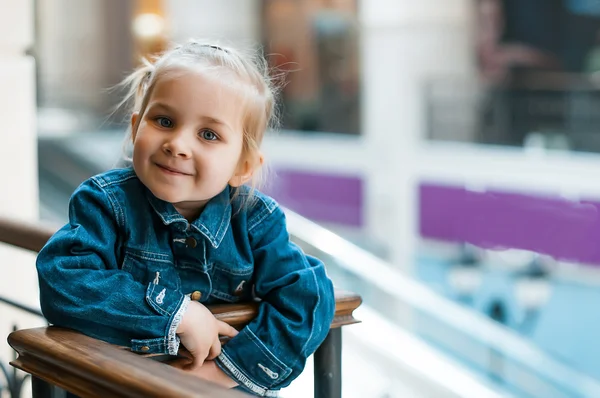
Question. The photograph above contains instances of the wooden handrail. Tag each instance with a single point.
(238, 315)
(92, 368)
(24, 235)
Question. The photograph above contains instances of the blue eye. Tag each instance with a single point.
(164, 122)
(208, 135)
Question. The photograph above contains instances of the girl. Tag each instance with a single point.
(147, 246)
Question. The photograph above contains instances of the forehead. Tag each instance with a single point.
(211, 93)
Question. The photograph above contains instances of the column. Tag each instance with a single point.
(404, 44)
(236, 21)
(18, 161)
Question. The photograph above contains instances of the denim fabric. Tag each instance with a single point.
(127, 264)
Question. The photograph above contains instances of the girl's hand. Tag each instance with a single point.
(199, 332)
(207, 371)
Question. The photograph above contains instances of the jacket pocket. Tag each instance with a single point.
(149, 267)
(232, 284)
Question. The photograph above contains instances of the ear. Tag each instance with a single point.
(134, 120)
(245, 170)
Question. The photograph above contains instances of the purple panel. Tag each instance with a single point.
(565, 229)
(318, 196)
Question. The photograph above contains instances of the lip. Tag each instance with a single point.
(171, 170)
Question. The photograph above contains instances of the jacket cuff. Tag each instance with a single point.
(162, 345)
(246, 359)
(172, 338)
(172, 304)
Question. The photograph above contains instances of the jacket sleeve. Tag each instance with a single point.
(294, 316)
(82, 286)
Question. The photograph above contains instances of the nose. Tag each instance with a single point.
(177, 146)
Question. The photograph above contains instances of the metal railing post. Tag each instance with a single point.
(328, 366)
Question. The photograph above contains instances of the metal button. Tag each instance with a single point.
(191, 242)
(145, 348)
(196, 295)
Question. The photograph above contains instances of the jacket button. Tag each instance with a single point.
(191, 242)
(145, 348)
(196, 295)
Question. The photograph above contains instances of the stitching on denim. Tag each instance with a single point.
(270, 204)
(269, 207)
(144, 255)
(258, 219)
(204, 231)
(225, 296)
(314, 316)
(172, 340)
(263, 348)
(162, 217)
(216, 239)
(224, 222)
(269, 372)
(169, 219)
(117, 210)
(178, 279)
(160, 298)
(243, 272)
(103, 182)
(194, 266)
(151, 343)
(242, 377)
(153, 304)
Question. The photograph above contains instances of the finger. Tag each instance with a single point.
(199, 360)
(226, 330)
(215, 350)
(199, 357)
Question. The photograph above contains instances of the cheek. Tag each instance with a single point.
(142, 145)
(234, 158)
(138, 150)
(220, 163)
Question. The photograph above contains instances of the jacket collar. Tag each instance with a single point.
(213, 222)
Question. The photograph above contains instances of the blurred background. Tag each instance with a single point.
(442, 157)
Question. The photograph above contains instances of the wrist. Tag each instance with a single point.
(181, 328)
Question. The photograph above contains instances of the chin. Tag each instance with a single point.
(166, 196)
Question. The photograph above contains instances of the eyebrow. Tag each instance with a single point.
(161, 105)
(170, 109)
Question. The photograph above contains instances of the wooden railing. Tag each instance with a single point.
(62, 359)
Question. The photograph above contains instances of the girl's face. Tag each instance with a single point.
(188, 145)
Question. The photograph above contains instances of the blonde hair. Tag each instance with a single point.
(258, 86)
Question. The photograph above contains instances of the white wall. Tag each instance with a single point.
(404, 43)
(18, 161)
(73, 24)
(232, 20)
(84, 48)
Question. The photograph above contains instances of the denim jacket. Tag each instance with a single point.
(127, 264)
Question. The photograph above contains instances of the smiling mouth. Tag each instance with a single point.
(171, 171)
